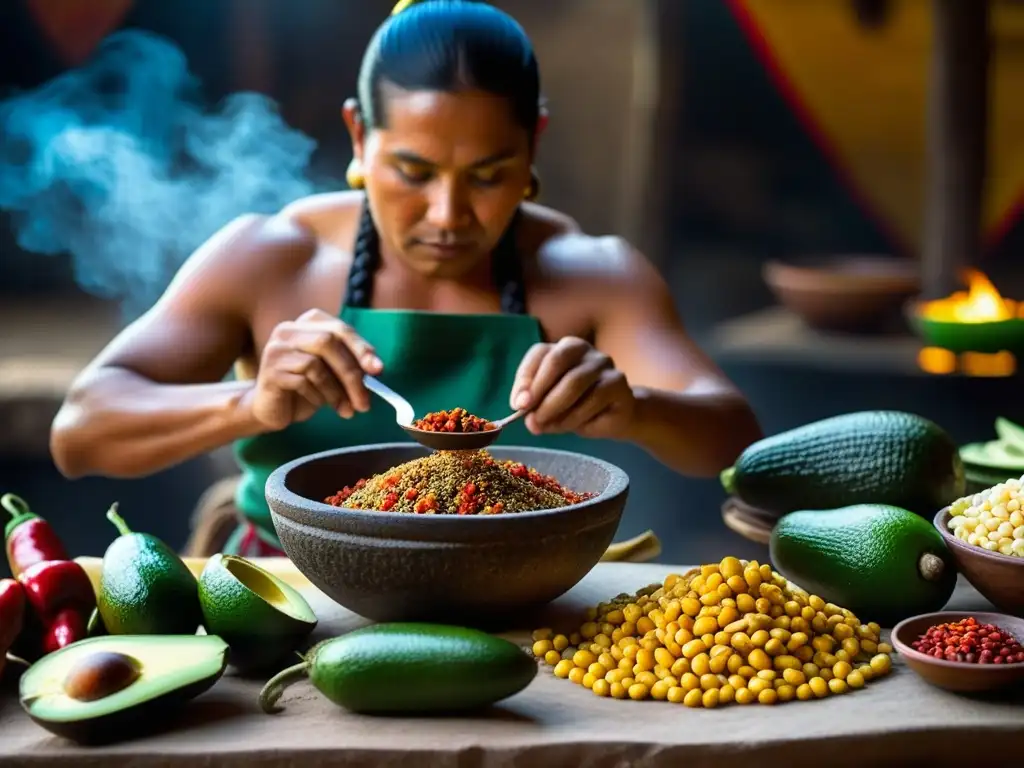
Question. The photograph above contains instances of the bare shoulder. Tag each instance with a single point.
(256, 250)
(328, 215)
(541, 223)
(252, 246)
(564, 254)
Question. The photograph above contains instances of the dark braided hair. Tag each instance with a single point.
(507, 268)
(447, 45)
(365, 260)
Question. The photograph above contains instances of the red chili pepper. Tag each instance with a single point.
(30, 539)
(12, 616)
(62, 598)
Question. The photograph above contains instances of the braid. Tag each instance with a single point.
(508, 270)
(365, 260)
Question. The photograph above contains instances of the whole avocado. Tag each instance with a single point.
(410, 668)
(882, 562)
(866, 457)
(145, 587)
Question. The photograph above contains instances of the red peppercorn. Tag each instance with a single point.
(968, 642)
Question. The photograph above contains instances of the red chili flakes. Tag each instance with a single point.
(970, 642)
(426, 504)
(341, 496)
(547, 482)
(455, 420)
(467, 500)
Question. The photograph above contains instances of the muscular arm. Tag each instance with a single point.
(689, 415)
(154, 396)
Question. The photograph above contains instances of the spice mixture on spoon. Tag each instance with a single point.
(455, 420)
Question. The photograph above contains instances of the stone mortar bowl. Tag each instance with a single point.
(475, 569)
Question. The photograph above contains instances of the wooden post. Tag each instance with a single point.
(956, 143)
(644, 216)
(252, 45)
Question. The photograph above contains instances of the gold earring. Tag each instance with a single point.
(354, 175)
(402, 5)
(532, 192)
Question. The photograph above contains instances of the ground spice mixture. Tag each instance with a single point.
(457, 483)
(455, 420)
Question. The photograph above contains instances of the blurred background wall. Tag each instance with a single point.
(717, 136)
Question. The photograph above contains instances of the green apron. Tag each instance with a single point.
(436, 361)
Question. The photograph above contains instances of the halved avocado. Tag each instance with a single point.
(104, 689)
(261, 618)
(992, 455)
(1011, 434)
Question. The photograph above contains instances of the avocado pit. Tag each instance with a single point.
(101, 674)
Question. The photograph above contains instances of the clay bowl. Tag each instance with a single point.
(851, 294)
(749, 522)
(988, 338)
(475, 569)
(952, 675)
(999, 578)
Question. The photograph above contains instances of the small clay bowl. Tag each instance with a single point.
(959, 677)
(999, 578)
(987, 338)
(749, 522)
(395, 566)
(845, 293)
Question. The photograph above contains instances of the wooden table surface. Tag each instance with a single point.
(896, 721)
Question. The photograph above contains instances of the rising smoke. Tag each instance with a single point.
(120, 164)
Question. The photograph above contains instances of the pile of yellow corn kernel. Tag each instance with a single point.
(735, 631)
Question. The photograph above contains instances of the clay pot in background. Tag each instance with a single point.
(851, 294)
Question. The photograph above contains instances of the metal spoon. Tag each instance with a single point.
(438, 441)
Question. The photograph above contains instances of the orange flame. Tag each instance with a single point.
(980, 303)
(942, 362)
